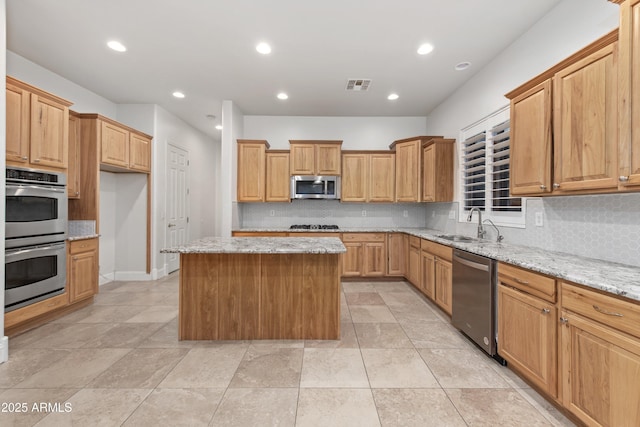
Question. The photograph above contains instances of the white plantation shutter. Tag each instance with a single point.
(474, 155)
(499, 175)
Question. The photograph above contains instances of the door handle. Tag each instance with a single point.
(171, 225)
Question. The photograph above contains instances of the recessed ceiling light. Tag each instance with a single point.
(117, 46)
(219, 127)
(283, 96)
(263, 48)
(425, 49)
(462, 66)
(178, 94)
(393, 97)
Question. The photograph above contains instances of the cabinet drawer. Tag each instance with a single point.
(414, 241)
(611, 311)
(363, 237)
(437, 249)
(79, 246)
(532, 283)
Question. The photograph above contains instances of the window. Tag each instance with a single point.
(484, 166)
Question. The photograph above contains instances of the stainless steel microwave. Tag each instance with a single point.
(315, 187)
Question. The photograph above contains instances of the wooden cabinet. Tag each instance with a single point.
(570, 110)
(531, 141)
(436, 274)
(251, 170)
(600, 363)
(366, 255)
(123, 148)
(409, 168)
(368, 176)
(586, 123)
(82, 269)
(437, 170)
(428, 274)
(527, 325)
(37, 128)
(315, 157)
(629, 95)
(73, 169)
(397, 248)
(277, 180)
(444, 285)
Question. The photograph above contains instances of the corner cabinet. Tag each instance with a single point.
(37, 128)
(251, 170)
(437, 170)
(82, 269)
(409, 167)
(311, 157)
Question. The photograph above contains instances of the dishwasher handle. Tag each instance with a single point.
(469, 263)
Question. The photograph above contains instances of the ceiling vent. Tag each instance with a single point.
(358, 84)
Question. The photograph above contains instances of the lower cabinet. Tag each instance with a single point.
(82, 269)
(413, 266)
(444, 285)
(428, 271)
(366, 255)
(436, 274)
(397, 248)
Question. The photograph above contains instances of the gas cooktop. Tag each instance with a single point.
(313, 227)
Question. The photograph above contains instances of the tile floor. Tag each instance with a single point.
(399, 363)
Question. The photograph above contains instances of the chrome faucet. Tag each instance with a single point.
(500, 237)
(481, 231)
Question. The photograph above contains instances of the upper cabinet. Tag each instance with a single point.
(629, 95)
(570, 110)
(73, 170)
(277, 181)
(368, 176)
(251, 170)
(37, 127)
(123, 148)
(408, 168)
(437, 170)
(315, 157)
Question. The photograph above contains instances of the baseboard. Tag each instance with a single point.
(132, 276)
(106, 278)
(4, 349)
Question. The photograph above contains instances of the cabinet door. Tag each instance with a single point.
(530, 168)
(140, 153)
(397, 249)
(408, 172)
(443, 285)
(114, 145)
(83, 275)
(352, 259)
(382, 176)
(527, 337)
(374, 262)
(302, 159)
(428, 270)
(414, 266)
(17, 128)
(73, 169)
(49, 132)
(429, 173)
(600, 373)
(327, 159)
(278, 178)
(251, 172)
(586, 123)
(355, 173)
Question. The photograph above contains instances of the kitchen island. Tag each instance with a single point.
(241, 288)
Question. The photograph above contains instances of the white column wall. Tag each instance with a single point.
(4, 342)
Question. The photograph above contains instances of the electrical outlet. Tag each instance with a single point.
(452, 214)
(539, 219)
(405, 214)
(364, 212)
(272, 212)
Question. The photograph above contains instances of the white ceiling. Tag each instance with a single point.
(206, 48)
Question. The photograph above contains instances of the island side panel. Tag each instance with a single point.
(321, 300)
(239, 296)
(281, 296)
(198, 316)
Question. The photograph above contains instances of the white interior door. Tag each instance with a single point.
(177, 216)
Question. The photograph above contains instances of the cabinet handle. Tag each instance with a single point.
(546, 311)
(623, 178)
(564, 320)
(608, 313)
(556, 185)
(36, 160)
(543, 187)
(77, 193)
(23, 157)
(75, 258)
(522, 282)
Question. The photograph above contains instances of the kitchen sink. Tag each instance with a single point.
(457, 238)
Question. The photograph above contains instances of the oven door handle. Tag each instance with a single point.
(46, 188)
(31, 249)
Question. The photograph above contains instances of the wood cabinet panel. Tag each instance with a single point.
(277, 177)
(355, 178)
(315, 157)
(374, 259)
(397, 249)
(437, 170)
(327, 159)
(531, 141)
(302, 159)
(140, 153)
(352, 259)
(443, 285)
(382, 171)
(368, 177)
(281, 293)
(73, 168)
(251, 170)
(408, 178)
(83, 269)
(413, 267)
(17, 125)
(528, 281)
(586, 123)
(527, 337)
(428, 274)
(114, 145)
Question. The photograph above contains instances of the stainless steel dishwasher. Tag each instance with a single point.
(474, 299)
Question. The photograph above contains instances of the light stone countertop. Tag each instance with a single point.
(618, 279)
(82, 237)
(261, 245)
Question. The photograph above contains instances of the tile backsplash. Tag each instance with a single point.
(81, 228)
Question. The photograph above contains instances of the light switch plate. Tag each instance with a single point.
(364, 212)
(539, 219)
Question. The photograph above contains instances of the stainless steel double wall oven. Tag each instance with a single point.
(35, 235)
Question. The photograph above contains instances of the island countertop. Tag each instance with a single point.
(261, 245)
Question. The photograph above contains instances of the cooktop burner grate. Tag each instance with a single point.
(313, 227)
